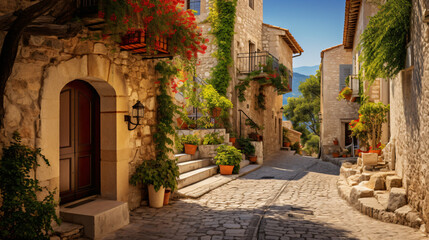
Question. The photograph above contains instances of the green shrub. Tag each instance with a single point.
(191, 139)
(213, 139)
(214, 99)
(296, 147)
(228, 155)
(158, 173)
(312, 145)
(246, 146)
(22, 216)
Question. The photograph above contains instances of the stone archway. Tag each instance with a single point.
(107, 80)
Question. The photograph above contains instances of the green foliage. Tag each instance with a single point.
(261, 99)
(228, 155)
(222, 19)
(213, 99)
(296, 147)
(285, 135)
(249, 122)
(22, 216)
(191, 139)
(312, 145)
(213, 139)
(372, 117)
(158, 173)
(246, 147)
(178, 143)
(342, 95)
(304, 111)
(383, 42)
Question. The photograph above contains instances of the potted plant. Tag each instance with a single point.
(247, 148)
(286, 140)
(254, 135)
(214, 102)
(232, 137)
(228, 158)
(213, 139)
(158, 175)
(191, 143)
(335, 154)
(346, 93)
(335, 141)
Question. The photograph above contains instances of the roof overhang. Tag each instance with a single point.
(322, 54)
(350, 22)
(288, 38)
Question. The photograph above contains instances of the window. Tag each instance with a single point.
(195, 5)
(345, 71)
(252, 4)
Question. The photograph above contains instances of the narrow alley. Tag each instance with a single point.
(290, 197)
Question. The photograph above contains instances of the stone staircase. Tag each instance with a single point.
(193, 169)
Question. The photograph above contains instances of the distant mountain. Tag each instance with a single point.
(306, 70)
(296, 80)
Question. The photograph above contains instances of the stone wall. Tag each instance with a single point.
(409, 117)
(42, 68)
(334, 113)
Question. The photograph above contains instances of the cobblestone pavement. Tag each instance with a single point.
(291, 197)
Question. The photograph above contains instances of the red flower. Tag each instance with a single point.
(113, 17)
(100, 14)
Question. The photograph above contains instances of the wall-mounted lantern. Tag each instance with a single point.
(137, 113)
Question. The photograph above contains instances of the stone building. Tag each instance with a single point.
(336, 115)
(252, 38)
(409, 114)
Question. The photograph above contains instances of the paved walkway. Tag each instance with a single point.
(291, 197)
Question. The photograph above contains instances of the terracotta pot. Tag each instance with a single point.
(335, 142)
(344, 155)
(232, 139)
(260, 138)
(348, 97)
(376, 151)
(216, 112)
(156, 199)
(181, 124)
(286, 144)
(190, 149)
(226, 169)
(335, 155)
(166, 196)
(253, 158)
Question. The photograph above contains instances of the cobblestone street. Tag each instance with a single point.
(290, 197)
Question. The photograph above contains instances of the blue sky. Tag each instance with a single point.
(315, 24)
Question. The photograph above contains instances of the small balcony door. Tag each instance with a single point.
(79, 141)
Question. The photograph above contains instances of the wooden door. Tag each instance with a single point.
(79, 141)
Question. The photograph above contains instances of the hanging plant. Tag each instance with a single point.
(383, 42)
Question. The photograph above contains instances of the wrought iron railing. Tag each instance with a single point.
(247, 117)
(254, 61)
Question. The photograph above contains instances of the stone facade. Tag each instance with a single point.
(335, 114)
(409, 116)
(44, 65)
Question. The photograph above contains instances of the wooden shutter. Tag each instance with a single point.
(345, 71)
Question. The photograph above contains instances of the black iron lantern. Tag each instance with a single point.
(137, 113)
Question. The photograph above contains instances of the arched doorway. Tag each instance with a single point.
(79, 141)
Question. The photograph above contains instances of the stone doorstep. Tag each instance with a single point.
(197, 175)
(98, 217)
(68, 230)
(183, 157)
(193, 165)
(373, 207)
(199, 189)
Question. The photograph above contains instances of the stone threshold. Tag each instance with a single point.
(66, 231)
(371, 207)
(199, 189)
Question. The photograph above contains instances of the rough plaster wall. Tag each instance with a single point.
(335, 112)
(409, 118)
(25, 86)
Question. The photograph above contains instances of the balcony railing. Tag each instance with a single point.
(136, 41)
(354, 85)
(253, 61)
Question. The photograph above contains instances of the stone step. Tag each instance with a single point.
(193, 165)
(98, 216)
(194, 176)
(67, 231)
(244, 163)
(183, 157)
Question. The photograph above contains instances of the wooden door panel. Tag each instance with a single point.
(84, 120)
(65, 119)
(65, 175)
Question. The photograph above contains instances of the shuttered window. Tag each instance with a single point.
(345, 71)
(195, 5)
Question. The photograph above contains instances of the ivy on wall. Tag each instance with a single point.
(383, 42)
(222, 19)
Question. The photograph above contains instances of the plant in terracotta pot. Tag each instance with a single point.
(335, 154)
(191, 143)
(158, 175)
(247, 148)
(213, 139)
(254, 135)
(286, 140)
(228, 158)
(335, 141)
(232, 137)
(346, 93)
(214, 102)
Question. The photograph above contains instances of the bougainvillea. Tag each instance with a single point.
(157, 19)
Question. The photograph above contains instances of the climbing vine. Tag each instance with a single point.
(383, 43)
(222, 19)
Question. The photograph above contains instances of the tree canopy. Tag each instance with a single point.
(303, 111)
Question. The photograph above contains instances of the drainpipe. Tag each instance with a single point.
(300, 53)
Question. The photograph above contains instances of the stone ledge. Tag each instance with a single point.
(371, 207)
(339, 161)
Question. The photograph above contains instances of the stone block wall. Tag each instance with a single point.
(409, 116)
(42, 68)
(334, 113)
